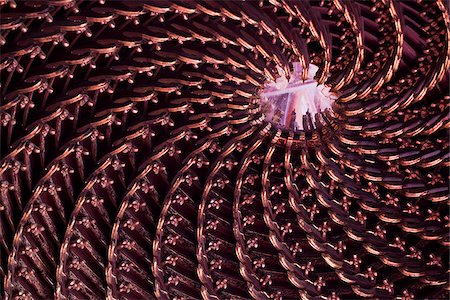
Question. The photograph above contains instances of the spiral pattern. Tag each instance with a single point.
(137, 163)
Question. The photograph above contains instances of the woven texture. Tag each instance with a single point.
(137, 163)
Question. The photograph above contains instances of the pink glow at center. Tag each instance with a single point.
(286, 102)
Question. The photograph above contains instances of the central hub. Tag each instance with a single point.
(291, 102)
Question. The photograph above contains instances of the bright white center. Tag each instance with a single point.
(286, 102)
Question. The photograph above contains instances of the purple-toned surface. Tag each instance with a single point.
(137, 160)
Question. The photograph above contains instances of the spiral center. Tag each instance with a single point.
(293, 102)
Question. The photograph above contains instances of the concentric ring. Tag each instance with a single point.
(137, 161)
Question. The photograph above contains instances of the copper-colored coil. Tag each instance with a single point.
(137, 162)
